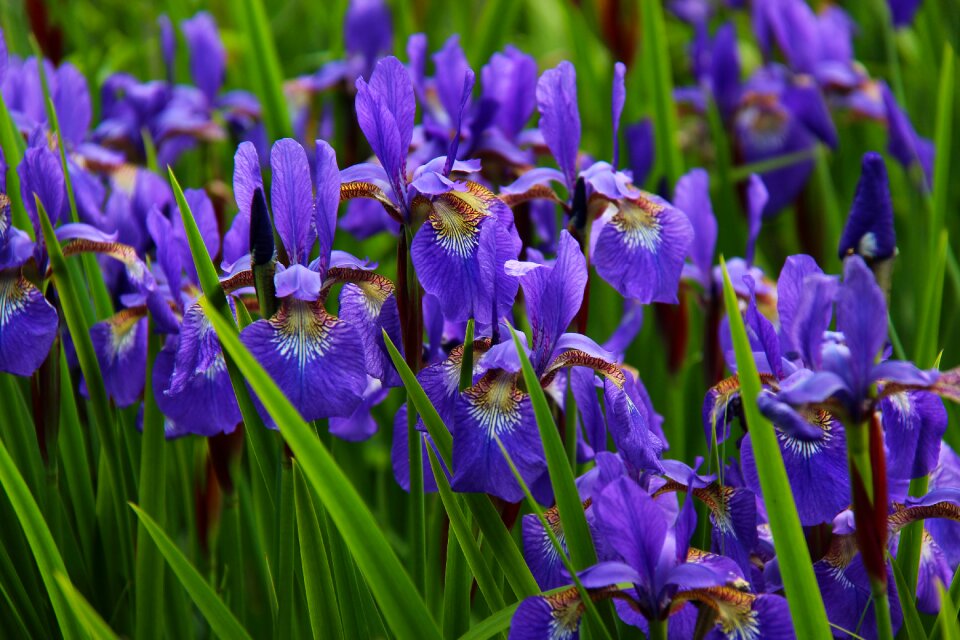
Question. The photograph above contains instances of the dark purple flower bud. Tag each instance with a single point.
(869, 231)
(261, 230)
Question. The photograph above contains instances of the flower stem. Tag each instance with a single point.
(658, 630)
(882, 609)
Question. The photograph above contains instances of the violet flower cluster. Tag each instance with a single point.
(504, 223)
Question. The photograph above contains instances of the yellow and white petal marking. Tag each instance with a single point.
(126, 254)
(5, 220)
(123, 330)
(495, 403)
(375, 288)
(302, 331)
(638, 221)
(456, 218)
(734, 609)
(566, 608)
(808, 448)
(359, 189)
(577, 358)
(14, 290)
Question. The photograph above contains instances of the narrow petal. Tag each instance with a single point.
(790, 292)
(292, 199)
(246, 180)
(862, 317)
(553, 297)
(632, 523)
(208, 60)
(560, 117)
(692, 197)
(327, 178)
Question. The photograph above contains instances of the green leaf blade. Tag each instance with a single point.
(216, 613)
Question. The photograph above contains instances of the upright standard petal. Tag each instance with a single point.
(41, 173)
(208, 60)
(28, 325)
(72, 103)
(510, 80)
(635, 527)
(292, 199)
(560, 117)
(327, 201)
(246, 180)
(692, 197)
(316, 359)
(618, 98)
(790, 291)
(640, 247)
(862, 318)
(553, 296)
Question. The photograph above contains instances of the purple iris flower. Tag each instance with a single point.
(302, 343)
(638, 241)
(28, 323)
(651, 551)
(843, 578)
(367, 36)
(844, 369)
(178, 116)
(468, 232)
(190, 380)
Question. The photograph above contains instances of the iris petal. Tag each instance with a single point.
(316, 358)
(28, 325)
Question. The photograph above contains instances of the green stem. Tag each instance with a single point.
(658, 630)
(882, 609)
(858, 453)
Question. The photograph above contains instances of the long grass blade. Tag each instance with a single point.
(800, 583)
(576, 530)
(257, 437)
(102, 415)
(216, 613)
(41, 542)
(149, 570)
(317, 578)
(89, 619)
(908, 604)
(464, 537)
